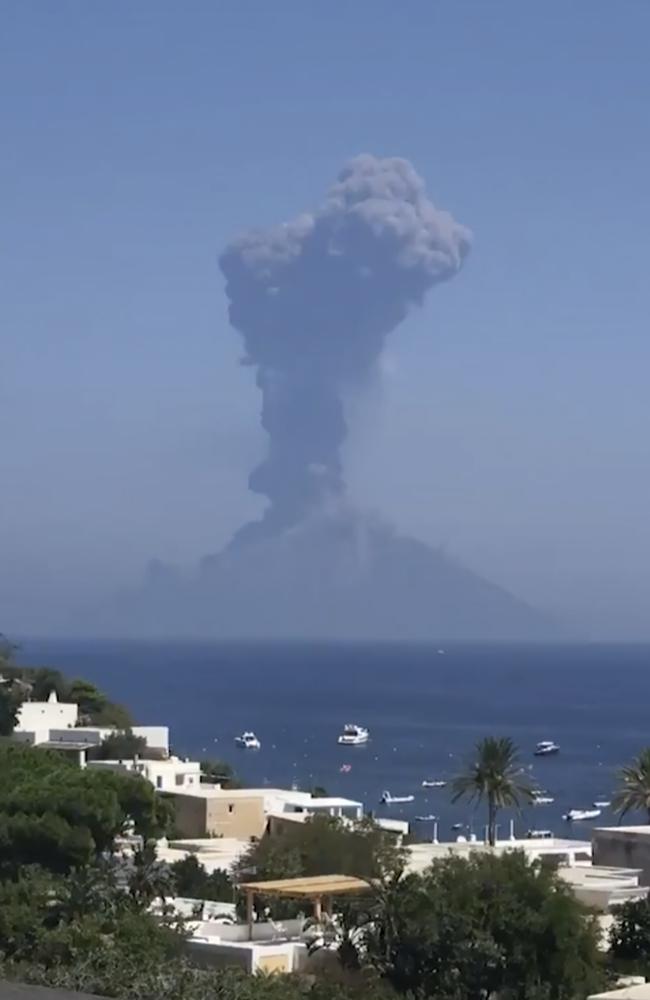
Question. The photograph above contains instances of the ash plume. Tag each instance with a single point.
(314, 300)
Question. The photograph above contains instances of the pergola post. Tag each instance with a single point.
(249, 913)
(318, 907)
(328, 905)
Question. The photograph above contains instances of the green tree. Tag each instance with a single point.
(193, 882)
(95, 708)
(7, 652)
(44, 680)
(150, 879)
(494, 775)
(323, 845)
(629, 936)
(53, 920)
(219, 772)
(124, 745)
(485, 927)
(9, 705)
(56, 815)
(634, 790)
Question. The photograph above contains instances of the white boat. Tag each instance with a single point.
(546, 747)
(575, 815)
(602, 804)
(434, 784)
(539, 834)
(426, 819)
(392, 800)
(541, 799)
(353, 735)
(248, 741)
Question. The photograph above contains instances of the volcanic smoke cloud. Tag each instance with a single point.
(314, 300)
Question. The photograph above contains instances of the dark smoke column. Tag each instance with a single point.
(315, 299)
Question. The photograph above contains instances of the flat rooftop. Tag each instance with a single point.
(643, 831)
(421, 855)
(332, 802)
(598, 876)
(299, 798)
(625, 993)
(63, 745)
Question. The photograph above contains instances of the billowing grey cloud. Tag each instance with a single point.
(314, 300)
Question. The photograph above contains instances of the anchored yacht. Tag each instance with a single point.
(248, 741)
(353, 735)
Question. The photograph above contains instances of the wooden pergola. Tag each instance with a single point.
(320, 890)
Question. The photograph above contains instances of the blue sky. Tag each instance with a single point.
(510, 419)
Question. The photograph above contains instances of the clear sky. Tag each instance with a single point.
(510, 420)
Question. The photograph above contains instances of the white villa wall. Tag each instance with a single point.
(171, 775)
(155, 737)
(41, 716)
(250, 956)
(279, 930)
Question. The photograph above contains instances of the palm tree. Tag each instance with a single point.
(634, 791)
(494, 775)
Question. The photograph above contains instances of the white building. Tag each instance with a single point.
(37, 718)
(49, 722)
(564, 851)
(170, 775)
(155, 737)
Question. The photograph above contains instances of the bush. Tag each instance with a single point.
(629, 937)
(485, 927)
(191, 880)
(56, 815)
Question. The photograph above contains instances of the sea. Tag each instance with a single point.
(425, 706)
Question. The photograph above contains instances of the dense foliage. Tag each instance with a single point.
(490, 926)
(191, 880)
(324, 846)
(629, 937)
(219, 772)
(120, 745)
(56, 815)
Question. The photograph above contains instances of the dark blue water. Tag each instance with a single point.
(424, 710)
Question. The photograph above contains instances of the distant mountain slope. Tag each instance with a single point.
(343, 576)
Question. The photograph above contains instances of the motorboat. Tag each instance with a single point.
(457, 826)
(248, 741)
(542, 798)
(539, 834)
(575, 815)
(353, 735)
(426, 819)
(546, 747)
(602, 804)
(434, 784)
(392, 800)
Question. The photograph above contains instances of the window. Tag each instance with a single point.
(231, 808)
(158, 781)
(179, 779)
